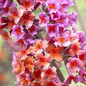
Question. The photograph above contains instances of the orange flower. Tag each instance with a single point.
(61, 40)
(28, 63)
(18, 67)
(2, 78)
(37, 74)
(22, 54)
(55, 52)
(43, 60)
(75, 49)
(2, 55)
(23, 80)
(39, 44)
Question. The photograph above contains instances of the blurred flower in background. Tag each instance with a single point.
(6, 76)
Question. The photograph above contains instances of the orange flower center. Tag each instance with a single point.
(43, 60)
(73, 64)
(60, 20)
(41, 0)
(42, 19)
(18, 30)
(71, 39)
(51, 6)
(61, 40)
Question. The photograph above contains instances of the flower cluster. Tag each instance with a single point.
(36, 59)
(32, 66)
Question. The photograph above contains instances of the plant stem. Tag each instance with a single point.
(60, 76)
(36, 6)
(40, 35)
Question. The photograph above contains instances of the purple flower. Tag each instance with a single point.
(70, 78)
(52, 30)
(62, 21)
(5, 5)
(74, 64)
(43, 19)
(17, 31)
(82, 56)
(82, 39)
(33, 30)
(82, 75)
(19, 44)
(66, 3)
(55, 15)
(28, 38)
(72, 18)
(53, 5)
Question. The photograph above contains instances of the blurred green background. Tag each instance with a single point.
(6, 54)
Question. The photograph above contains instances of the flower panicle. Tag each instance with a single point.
(42, 42)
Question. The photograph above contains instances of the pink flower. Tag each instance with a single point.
(17, 31)
(53, 5)
(43, 19)
(75, 49)
(27, 4)
(74, 64)
(51, 30)
(27, 19)
(33, 30)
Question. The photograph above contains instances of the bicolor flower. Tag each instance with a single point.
(53, 5)
(27, 4)
(27, 19)
(17, 31)
(75, 49)
(15, 14)
(74, 64)
(33, 30)
(55, 15)
(43, 19)
(52, 30)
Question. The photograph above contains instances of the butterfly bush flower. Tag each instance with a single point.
(26, 18)
(55, 15)
(42, 43)
(26, 4)
(52, 30)
(43, 19)
(53, 5)
(33, 30)
(5, 6)
(17, 30)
